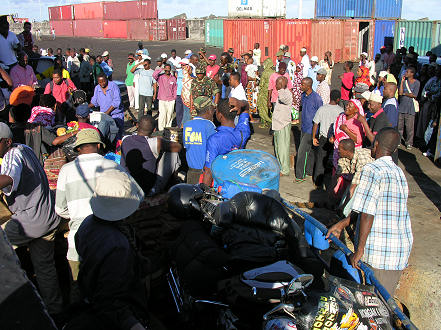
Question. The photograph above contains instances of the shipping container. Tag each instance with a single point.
(115, 29)
(61, 13)
(196, 29)
(256, 8)
(294, 33)
(138, 29)
(158, 30)
(128, 10)
(90, 11)
(384, 34)
(176, 29)
(88, 28)
(388, 8)
(242, 34)
(358, 8)
(414, 33)
(436, 42)
(333, 42)
(214, 32)
(62, 28)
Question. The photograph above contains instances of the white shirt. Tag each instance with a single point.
(257, 54)
(7, 48)
(251, 70)
(193, 68)
(238, 93)
(306, 65)
(175, 61)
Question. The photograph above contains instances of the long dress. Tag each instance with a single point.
(262, 98)
(297, 92)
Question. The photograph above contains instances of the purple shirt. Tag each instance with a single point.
(111, 98)
(167, 86)
(22, 76)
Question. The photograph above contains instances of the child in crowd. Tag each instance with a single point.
(347, 83)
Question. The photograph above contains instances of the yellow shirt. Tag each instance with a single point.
(48, 74)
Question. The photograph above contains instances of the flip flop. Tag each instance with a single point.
(299, 180)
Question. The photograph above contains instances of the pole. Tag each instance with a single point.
(300, 9)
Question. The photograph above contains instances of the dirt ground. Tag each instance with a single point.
(420, 283)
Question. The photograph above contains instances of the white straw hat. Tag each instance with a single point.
(116, 196)
(376, 97)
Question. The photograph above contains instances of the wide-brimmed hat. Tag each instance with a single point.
(86, 136)
(116, 196)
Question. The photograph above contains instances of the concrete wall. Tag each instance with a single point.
(43, 26)
(196, 29)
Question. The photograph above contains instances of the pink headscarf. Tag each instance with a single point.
(42, 115)
(358, 105)
(341, 119)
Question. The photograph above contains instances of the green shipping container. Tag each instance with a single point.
(414, 33)
(214, 32)
(436, 43)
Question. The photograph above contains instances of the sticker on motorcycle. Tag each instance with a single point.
(373, 312)
(345, 296)
(367, 299)
(349, 321)
(326, 314)
(280, 323)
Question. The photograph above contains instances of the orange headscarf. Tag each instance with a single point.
(22, 94)
(364, 79)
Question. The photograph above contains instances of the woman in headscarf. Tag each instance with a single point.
(363, 76)
(297, 92)
(186, 86)
(262, 98)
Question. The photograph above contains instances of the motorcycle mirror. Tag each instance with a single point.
(299, 283)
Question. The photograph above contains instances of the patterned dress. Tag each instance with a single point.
(262, 98)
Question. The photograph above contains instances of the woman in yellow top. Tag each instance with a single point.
(48, 73)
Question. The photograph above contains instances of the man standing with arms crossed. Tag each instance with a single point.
(384, 229)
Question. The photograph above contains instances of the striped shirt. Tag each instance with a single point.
(382, 192)
(75, 187)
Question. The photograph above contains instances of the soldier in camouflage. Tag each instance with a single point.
(203, 86)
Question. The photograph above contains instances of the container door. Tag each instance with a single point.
(267, 48)
(350, 47)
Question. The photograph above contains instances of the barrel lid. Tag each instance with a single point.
(245, 165)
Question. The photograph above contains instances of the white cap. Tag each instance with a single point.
(383, 74)
(187, 52)
(364, 54)
(366, 95)
(282, 46)
(376, 97)
(184, 61)
(314, 59)
(144, 57)
(164, 55)
(303, 50)
(106, 53)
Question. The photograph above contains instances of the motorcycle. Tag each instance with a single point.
(290, 292)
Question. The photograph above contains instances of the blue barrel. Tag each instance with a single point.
(247, 166)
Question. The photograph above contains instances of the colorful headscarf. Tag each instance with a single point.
(364, 79)
(42, 115)
(358, 105)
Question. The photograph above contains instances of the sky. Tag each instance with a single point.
(37, 9)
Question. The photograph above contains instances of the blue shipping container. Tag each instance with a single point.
(214, 32)
(247, 166)
(388, 8)
(358, 8)
(384, 34)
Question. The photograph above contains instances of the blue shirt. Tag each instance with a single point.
(228, 139)
(179, 81)
(111, 98)
(196, 134)
(106, 68)
(145, 81)
(390, 107)
(310, 104)
(312, 73)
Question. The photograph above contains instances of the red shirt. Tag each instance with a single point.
(212, 70)
(60, 92)
(346, 85)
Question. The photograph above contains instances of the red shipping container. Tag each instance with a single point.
(115, 29)
(62, 28)
(158, 30)
(242, 34)
(295, 33)
(61, 13)
(138, 30)
(176, 29)
(130, 10)
(92, 10)
(88, 28)
(54, 13)
(333, 30)
(350, 41)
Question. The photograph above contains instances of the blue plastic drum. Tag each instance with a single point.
(247, 166)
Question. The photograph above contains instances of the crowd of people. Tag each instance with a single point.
(58, 125)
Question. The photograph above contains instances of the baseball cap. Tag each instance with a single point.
(314, 59)
(106, 53)
(364, 54)
(188, 52)
(383, 74)
(287, 54)
(139, 52)
(87, 50)
(212, 57)
(280, 53)
(303, 49)
(322, 71)
(83, 110)
(5, 131)
(88, 135)
(159, 59)
(163, 55)
(202, 102)
(184, 61)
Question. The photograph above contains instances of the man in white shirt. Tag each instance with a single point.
(257, 54)
(237, 90)
(9, 43)
(174, 59)
(323, 88)
(305, 61)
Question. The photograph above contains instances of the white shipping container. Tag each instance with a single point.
(256, 8)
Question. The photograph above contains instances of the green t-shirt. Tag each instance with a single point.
(130, 76)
